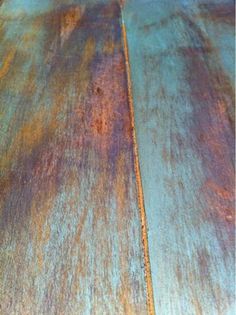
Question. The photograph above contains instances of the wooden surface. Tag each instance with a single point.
(182, 70)
(70, 226)
(96, 216)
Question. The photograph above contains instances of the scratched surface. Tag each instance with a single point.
(70, 226)
(182, 69)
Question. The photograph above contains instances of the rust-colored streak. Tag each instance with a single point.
(7, 63)
(69, 21)
(223, 13)
(213, 129)
(150, 299)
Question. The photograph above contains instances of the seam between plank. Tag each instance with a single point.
(150, 299)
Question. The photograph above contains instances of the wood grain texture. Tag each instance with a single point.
(182, 70)
(70, 226)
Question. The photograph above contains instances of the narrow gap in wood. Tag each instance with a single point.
(150, 299)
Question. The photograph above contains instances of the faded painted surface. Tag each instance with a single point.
(182, 68)
(70, 226)
(73, 227)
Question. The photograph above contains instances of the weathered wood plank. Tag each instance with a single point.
(70, 227)
(182, 70)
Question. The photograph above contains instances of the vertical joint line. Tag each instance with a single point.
(150, 300)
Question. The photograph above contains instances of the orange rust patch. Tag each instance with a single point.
(221, 202)
(29, 136)
(69, 21)
(100, 125)
(81, 224)
(7, 63)
(108, 117)
(220, 191)
(129, 309)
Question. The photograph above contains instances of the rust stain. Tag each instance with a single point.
(220, 191)
(7, 63)
(81, 225)
(30, 135)
(69, 21)
(104, 115)
(129, 309)
(122, 3)
(109, 47)
(150, 299)
(213, 129)
(197, 306)
(219, 13)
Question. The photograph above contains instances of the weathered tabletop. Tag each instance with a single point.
(117, 157)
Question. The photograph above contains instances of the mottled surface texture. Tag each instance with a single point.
(72, 226)
(182, 70)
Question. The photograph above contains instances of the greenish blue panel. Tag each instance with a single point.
(182, 69)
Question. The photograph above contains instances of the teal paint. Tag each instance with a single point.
(182, 62)
(70, 226)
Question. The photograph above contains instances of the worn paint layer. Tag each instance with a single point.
(182, 69)
(70, 224)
